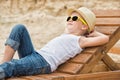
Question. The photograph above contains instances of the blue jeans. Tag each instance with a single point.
(30, 62)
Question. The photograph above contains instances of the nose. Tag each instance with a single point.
(70, 20)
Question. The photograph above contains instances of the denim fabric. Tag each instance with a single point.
(2, 75)
(30, 61)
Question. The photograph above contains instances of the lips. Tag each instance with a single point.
(69, 24)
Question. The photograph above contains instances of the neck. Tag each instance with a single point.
(74, 33)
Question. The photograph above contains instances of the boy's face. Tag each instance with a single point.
(75, 26)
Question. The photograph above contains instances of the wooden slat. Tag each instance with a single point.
(16, 78)
(100, 67)
(108, 30)
(82, 58)
(27, 78)
(111, 75)
(107, 13)
(110, 63)
(36, 78)
(115, 50)
(40, 77)
(90, 50)
(107, 22)
(52, 75)
(71, 68)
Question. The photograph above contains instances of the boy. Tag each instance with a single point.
(79, 33)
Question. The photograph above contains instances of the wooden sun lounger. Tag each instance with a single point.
(80, 67)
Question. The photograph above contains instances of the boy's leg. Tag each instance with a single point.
(30, 62)
(19, 39)
(8, 54)
(29, 65)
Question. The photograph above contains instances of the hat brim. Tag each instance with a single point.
(71, 10)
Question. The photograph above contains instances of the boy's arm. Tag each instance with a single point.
(93, 39)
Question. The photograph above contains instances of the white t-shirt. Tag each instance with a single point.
(60, 49)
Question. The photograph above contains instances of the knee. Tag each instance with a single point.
(19, 27)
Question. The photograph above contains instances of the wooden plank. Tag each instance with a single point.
(108, 30)
(110, 63)
(107, 22)
(20, 78)
(52, 75)
(82, 58)
(28, 78)
(115, 50)
(39, 77)
(71, 68)
(111, 75)
(100, 67)
(35, 77)
(91, 50)
(107, 13)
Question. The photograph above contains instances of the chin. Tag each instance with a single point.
(70, 27)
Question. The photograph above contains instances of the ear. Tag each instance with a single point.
(84, 27)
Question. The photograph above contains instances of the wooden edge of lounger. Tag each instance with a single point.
(110, 75)
(107, 13)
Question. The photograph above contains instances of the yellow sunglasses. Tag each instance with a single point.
(76, 18)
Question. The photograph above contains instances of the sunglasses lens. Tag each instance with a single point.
(68, 18)
(74, 18)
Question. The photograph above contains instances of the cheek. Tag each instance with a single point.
(78, 26)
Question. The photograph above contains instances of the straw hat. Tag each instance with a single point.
(87, 15)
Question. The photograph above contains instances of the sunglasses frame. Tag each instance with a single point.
(78, 18)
